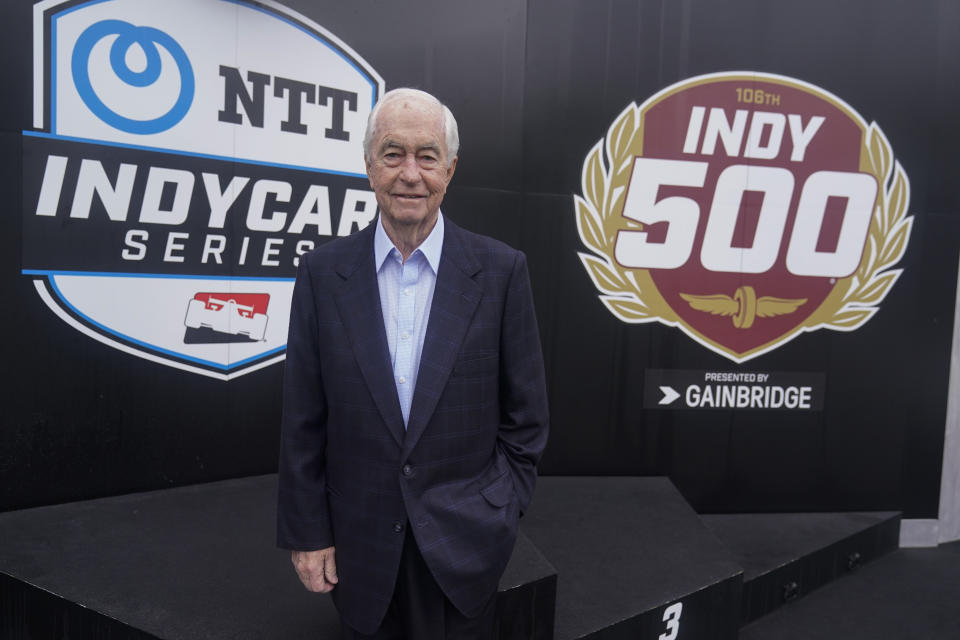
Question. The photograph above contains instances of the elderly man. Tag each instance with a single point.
(414, 408)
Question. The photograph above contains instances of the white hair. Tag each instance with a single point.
(450, 131)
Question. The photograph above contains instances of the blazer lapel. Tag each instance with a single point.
(455, 299)
(358, 302)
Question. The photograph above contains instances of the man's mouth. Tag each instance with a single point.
(408, 196)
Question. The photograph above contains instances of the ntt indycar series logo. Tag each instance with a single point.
(184, 154)
(744, 208)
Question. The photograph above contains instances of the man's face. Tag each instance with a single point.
(408, 166)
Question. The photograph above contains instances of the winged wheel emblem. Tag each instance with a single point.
(744, 306)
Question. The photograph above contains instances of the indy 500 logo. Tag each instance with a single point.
(183, 155)
(744, 208)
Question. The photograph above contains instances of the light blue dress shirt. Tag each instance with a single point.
(406, 293)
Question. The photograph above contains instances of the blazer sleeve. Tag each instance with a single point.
(303, 520)
(524, 419)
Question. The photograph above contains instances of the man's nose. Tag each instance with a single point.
(409, 170)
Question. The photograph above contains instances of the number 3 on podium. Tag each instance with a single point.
(672, 617)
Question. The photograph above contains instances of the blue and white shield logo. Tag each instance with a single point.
(183, 155)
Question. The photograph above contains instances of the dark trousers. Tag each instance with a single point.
(420, 611)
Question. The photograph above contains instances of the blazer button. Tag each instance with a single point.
(398, 527)
(407, 470)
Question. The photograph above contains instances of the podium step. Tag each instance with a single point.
(787, 555)
(597, 558)
(905, 595)
(192, 563)
(633, 561)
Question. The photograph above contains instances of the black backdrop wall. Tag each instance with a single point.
(534, 86)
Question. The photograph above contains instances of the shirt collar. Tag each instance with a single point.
(431, 248)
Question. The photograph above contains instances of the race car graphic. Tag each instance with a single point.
(226, 314)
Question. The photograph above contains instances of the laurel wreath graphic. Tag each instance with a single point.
(628, 293)
(631, 295)
(886, 241)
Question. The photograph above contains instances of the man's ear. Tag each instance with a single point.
(451, 168)
(369, 165)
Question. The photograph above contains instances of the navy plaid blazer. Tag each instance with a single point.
(461, 473)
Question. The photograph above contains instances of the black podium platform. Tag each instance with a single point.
(599, 558)
(631, 556)
(193, 563)
(787, 555)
